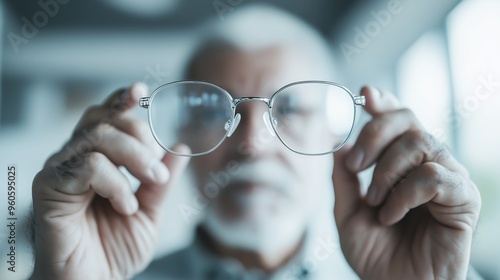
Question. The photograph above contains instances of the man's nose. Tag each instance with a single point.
(254, 130)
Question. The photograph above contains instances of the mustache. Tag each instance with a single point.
(270, 173)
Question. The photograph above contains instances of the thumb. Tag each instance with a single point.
(378, 102)
(152, 197)
(346, 187)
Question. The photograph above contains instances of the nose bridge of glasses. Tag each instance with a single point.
(237, 101)
(232, 125)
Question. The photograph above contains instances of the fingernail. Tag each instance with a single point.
(372, 195)
(159, 172)
(355, 158)
(132, 205)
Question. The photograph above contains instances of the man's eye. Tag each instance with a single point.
(210, 115)
(200, 117)
(291, 109)
(288, 110)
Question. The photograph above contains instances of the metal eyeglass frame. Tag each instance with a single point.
(231, 124)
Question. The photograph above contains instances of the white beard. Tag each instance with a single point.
(274, 218)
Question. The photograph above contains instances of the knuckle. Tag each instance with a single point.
(58, 174)
(451, 181)
(457, 182)
(429, 145)
(94, 161)
(416, 138)
(441, 153)
(54, 157)
(66, 169)
(39, 179)
(118, 101)
(434, 172)
(420, 140)
(89, 139)
(407, 114)
(103, 127)
(93, 131)
(97, 133)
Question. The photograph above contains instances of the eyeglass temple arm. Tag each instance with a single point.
(144, 102)
(358, 100)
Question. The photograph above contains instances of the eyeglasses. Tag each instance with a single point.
(308, 117)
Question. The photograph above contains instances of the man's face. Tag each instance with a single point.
(265, 191)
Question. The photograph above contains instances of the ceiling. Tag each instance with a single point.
(108, 39)
(118, 15)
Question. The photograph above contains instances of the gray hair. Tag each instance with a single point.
(258, 26)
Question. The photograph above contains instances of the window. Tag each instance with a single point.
(451, 79)
(423, 78)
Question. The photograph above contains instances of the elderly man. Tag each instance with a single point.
(274, 168)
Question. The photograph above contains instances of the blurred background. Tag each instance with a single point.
(442, 58)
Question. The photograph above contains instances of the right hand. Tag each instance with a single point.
(88, 222)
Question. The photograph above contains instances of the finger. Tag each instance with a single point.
(377, 135)
(118, 104)
(139, 130)
(400, 159)
(125, 150)
(378, 102)
(121, 148)
(70, 182)
(346, 187)
(429, 182)
(152, 196)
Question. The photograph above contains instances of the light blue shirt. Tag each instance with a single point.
(319, 257)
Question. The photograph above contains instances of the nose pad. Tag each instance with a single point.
(266, 118)
(231, 126)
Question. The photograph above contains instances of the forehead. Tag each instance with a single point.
(251, 73)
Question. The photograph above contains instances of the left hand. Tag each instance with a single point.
(421, 208)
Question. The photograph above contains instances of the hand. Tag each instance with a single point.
(88, 222)
(421, 208)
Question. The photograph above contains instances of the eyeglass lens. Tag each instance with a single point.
(313, 118)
